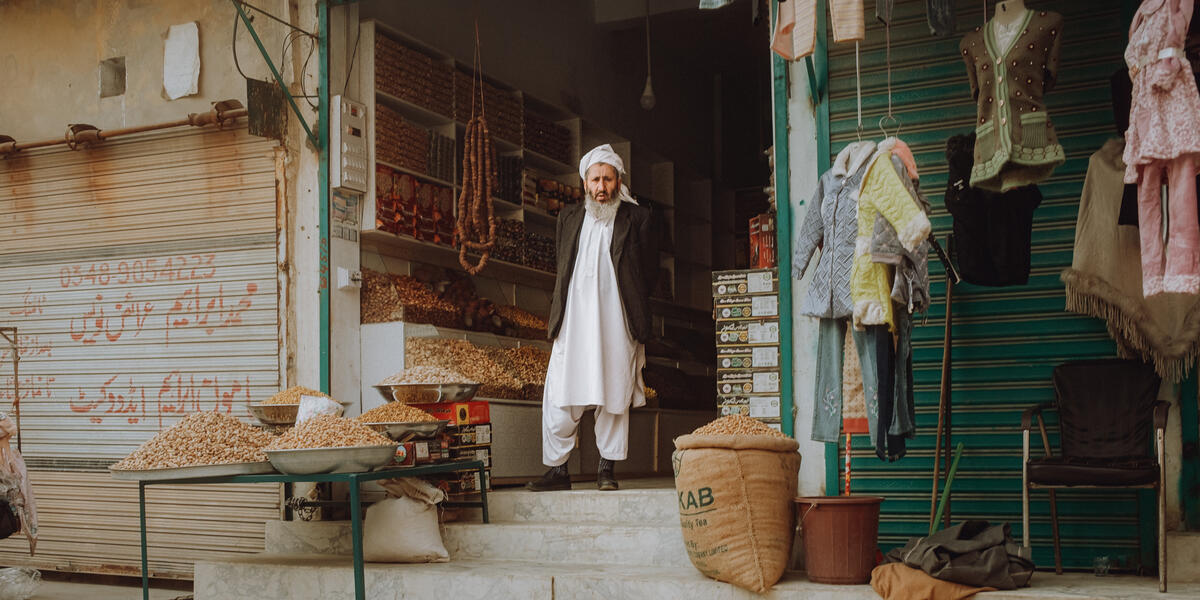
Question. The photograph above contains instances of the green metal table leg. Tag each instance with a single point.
(356, 531)
(145, 560)
(483, 493)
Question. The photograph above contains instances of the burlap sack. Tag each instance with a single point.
(735, 505)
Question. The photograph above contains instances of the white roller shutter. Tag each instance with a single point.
(143, 278)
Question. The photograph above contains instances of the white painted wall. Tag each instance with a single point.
(803, 175)
(51, 52)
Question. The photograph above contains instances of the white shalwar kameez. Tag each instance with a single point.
(595, 362)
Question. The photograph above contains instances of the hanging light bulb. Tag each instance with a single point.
(648, 95)
(647, 100)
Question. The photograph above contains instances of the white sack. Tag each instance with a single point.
(403, 530)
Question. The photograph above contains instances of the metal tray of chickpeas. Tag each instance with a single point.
(349, 459)
(192, 472)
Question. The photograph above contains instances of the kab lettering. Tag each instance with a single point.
(691, 500)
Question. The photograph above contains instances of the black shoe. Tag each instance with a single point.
(604, 475)
(556, 479)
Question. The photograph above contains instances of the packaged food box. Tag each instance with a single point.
(459, 413)
(483, 453)
(753, 332)
(747, 357)
(745, 307)
(469, 435)
(737, 383)
(763, 408)
(745, 281)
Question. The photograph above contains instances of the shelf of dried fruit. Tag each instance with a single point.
(416, 87)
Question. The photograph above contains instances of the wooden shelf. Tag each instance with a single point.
(539, 216)
(408, 248)
(417, 174)
(417, 114)
(545, 163)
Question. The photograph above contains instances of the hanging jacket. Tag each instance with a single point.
(830, 224)
(910, 287)
(992, 232)
(883, 192)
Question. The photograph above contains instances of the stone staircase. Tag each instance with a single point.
(578, 544)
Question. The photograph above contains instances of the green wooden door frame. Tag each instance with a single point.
(783, 233)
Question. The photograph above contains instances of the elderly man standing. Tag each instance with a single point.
(599, 320)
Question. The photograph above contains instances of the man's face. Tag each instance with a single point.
(602, 182)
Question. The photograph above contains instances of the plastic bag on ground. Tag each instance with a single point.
(19, 583)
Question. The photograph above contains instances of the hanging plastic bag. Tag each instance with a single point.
(19, 583)
(311, 406)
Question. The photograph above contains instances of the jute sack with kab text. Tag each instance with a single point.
(736, 505)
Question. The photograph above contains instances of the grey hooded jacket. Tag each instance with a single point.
(831, 223)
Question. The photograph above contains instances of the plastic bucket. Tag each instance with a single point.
(840, 537)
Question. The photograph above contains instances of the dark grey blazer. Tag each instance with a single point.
(634, 254)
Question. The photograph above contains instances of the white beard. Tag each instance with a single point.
(602, 211)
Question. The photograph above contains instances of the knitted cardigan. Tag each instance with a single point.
(1016, 143)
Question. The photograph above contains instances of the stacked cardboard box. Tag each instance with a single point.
(467, 437)
(762, 241)
(401, 142)
(746, 310)
(502, 108)
(413, 76)
(547, 138)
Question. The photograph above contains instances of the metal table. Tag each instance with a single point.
(354, 479)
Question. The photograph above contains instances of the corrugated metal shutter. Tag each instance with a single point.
(1006, 340)
(142, 276)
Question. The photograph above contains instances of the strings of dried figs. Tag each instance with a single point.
(476, 221)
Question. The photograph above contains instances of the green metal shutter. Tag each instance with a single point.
(1006, 341)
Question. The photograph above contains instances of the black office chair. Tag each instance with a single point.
(1112, 427)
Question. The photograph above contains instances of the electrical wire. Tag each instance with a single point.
(289, 39)
(312, 46)
(353, 54)
(237, 64)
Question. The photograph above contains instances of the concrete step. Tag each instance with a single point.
(592, 543)
(319, 577)
(625, 544)
(648, 506)
(314, 577)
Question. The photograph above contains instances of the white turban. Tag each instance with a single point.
(605, 154)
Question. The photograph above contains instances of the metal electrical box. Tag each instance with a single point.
(348, 145)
